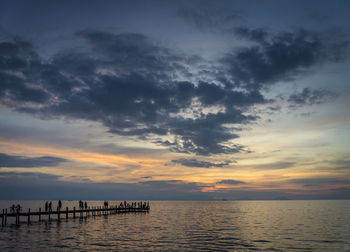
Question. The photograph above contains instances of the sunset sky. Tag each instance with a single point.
(175, 99)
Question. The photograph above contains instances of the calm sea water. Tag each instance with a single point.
(190, 226)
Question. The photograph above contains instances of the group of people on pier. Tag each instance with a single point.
(48, 206)
(83, 205)
(15, 208)
(140, 204)
(123, 207)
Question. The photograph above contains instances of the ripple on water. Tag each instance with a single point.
(198, 226)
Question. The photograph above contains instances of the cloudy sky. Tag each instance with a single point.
(174, 99)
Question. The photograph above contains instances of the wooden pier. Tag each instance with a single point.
(69, 213)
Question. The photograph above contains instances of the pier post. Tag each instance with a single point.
(49, 215)
(58, 214)
(73, 212)
(17, 218)
(39, 214)
(28, 216)
(66, 213)
(3, 217)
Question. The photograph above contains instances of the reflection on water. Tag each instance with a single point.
(191, 225)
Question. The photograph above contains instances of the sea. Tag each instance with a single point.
(280, 225)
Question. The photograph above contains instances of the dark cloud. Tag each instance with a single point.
(230, 182)
(36, 176)
(25, 162)
(192, 162)
(132, 86)
(319, 182)
(129, 84)
(17, 57)
(311, 97)
(33, 185)
(279, 57)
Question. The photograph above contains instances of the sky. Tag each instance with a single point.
(175, 100)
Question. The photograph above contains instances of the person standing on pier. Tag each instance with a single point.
(50, 206)
(85, 205)
(59, 205)
(18, 208)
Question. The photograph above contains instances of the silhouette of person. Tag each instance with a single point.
(50, 206)
(13, 208)
(59, 204)
(85, 205)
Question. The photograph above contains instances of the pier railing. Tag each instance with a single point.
(69, 213)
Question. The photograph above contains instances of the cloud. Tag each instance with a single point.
(25, 162)
(172, 185)
(275, 165)
(33, 185)
(230, 182)
(135, 87)
(311, 97)
(197, 163)
(279, 57)
(129, 84)
(36, 176)
(16, 56)
(319, 182)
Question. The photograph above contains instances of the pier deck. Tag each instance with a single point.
(70, 213)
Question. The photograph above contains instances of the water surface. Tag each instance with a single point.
(190, 226)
